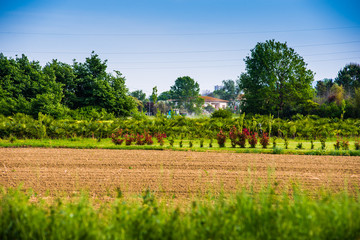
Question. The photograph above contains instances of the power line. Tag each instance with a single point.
(222, 60)
(176, 52)
(337, 59)
(220, 66)
(176, 34)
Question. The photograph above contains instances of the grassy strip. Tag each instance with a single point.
(89, 143)
(245, 215)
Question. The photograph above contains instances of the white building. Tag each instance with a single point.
(215, 102)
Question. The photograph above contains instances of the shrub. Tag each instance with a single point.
(148, 138)
(242, 137)
(233, 135)
(274, 141)
(345, 145)
(264, 140)
(12, 139)
(323, 144)
(337, 145)
(171, 141)
(253, 139)
(286, 142)
(222, 113)
(140, 139)
(117, 137)
(299, 146)
(277, 150)
(357, 144)
(160, 138)
(221, 138)
(128, 139)
(201, 142)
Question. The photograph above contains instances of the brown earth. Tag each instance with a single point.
(59, 171)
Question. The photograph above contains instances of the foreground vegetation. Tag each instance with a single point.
(249, 215)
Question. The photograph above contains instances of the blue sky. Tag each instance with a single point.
(152, 42)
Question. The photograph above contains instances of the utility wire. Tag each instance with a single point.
(176, 34)
(176, 52)
(219, 66)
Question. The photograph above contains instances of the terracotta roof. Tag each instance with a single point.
(212, 99)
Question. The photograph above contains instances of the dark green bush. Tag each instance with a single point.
(221, 113)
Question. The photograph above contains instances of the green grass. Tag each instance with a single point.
(244, 215)
(90, 143)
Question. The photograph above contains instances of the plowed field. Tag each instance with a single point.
(58, 171)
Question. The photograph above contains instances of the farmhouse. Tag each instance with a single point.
(215, 102)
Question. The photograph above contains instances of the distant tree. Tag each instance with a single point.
(276, 80)
(154, 95)
(139, 94)
(164, 96)
(96, 88)
(323, 87)
(228, 92)
(64, 74)
(349, 77)
(186, 92)
(25, 88)
(336, 94)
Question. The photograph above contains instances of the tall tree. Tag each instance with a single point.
(25, 88)
(323, 87)
(276, 79)
(99, 89)
(229, 90)
(164, 96)
(349, 77)
(64, 74)
(139, 94)
(186, 92)
(154, 95)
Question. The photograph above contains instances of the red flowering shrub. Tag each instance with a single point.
(233, 135)
(160, 138)
(242, 137)
(148, 138)
(128, 139)
(253, 139)
(117, 137)
(221, 138)
(140, 139)
(264, 140)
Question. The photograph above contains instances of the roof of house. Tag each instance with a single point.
(212, 99)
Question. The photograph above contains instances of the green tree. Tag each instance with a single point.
(139, 94)
(323, 87)
(154, 95)
(64, 74)
(25, 88)
(164, 96)
(336, 94)
(98, 89)
(186, 92)
(276, 80)
(229, 90)
(349, 77)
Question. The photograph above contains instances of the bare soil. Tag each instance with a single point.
(101, 172)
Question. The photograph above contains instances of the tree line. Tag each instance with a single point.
(276, 81)
(62, 90)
